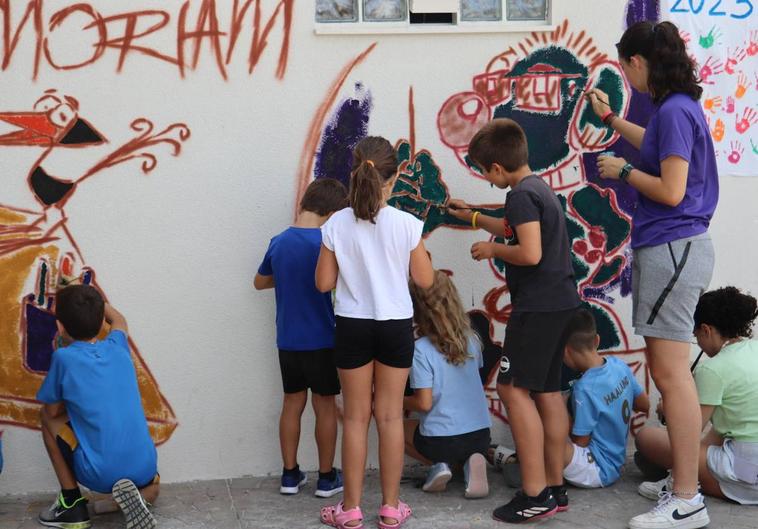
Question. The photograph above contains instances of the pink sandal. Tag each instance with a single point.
(335, 516)
(401, 514)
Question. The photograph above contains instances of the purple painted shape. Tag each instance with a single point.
(638, 10)
(640, 109)
(348, 125)
(40, 334)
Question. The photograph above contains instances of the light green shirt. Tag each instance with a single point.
(729, 381)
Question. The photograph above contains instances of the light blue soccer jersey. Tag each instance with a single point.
(97, 384)
(458, 402)
(603, 399)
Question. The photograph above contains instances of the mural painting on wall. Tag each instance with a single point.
(38, 252)
(722, 39)
(539, 83)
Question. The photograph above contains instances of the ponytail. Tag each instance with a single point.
(670, 68)
(374, 164)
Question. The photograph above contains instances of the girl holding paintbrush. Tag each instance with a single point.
(677, 184)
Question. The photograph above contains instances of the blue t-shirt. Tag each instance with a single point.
(677, 128)
(304, 316)
(97, 384)
(603, 399)
(461, 407)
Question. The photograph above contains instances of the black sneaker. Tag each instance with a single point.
(132, 505)
(74, 516)
(522, 508)
(560, 493)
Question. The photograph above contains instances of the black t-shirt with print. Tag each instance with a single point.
(549, 285)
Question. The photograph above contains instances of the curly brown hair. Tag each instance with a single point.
(729, 310)
(670, 68)
(439, 315)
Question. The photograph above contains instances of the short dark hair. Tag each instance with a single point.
(581, 331)
(500, 141)
(80, 309)
(324, 196)
(670, 67)
(729, 310)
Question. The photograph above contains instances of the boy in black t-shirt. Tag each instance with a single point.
(540, 279)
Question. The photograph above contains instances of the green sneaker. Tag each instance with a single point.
(74, 516)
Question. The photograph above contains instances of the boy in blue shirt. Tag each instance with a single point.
(93, 424)
(305, 335)
(602, 401)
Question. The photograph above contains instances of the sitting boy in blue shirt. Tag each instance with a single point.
(93, 424)
(602, 400)
(305, 335)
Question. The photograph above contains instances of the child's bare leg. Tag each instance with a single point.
(654, 444)
(528, 436)
(51, 426)
(289, 426)
(388, 414)
(409, 427)
(326, 430)
(357, 385)
(555, 423)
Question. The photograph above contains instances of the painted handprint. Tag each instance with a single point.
(734, 155)
(718, 131)
(686, 37)
(749, 117)
(754, 147)
(707, 41)
(711, 104)
(711, 67)
(729, 105)
(742, 85)
(752, 44)
(733, 59)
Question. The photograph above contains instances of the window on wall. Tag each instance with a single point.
(432, 16)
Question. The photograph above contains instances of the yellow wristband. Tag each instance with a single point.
(473, 219)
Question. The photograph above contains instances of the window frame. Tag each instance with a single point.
(362, 27)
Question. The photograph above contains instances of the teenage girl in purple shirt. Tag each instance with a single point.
(677, 181)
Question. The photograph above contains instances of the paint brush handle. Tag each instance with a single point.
(598, 97)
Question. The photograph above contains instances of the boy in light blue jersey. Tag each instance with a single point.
(603, 400)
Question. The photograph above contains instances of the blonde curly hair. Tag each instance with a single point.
(439, 315)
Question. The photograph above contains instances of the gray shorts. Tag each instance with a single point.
(667, 282)
(735, 467)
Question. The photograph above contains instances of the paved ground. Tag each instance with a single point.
(255, 503)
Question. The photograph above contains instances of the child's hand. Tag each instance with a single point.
(599, 101)
(482, 250)
(610, 166)
(459, 209)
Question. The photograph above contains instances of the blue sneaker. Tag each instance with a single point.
(326, 488)
(291, 484)
(436, 480)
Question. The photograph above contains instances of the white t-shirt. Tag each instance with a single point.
(374, 263)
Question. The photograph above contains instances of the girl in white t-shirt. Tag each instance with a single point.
(368, 252)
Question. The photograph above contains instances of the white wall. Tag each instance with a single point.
(176, 250)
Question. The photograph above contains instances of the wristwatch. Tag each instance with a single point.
(624, 173)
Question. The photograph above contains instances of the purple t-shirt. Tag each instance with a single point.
(677, 128)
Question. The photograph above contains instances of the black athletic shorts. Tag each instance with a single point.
(452, 449)
(309, 369)
(357, 342)
(533, 350)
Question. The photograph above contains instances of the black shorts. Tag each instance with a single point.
(357, 342)
(309, 369)
(533, 350)
(452, 449)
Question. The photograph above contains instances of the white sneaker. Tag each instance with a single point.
(436, 480)
(673, 512)
(475, 477)
(652, 490)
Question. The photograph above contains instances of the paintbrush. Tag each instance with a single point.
(585, 90)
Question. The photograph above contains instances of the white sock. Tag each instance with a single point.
(695, 500)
